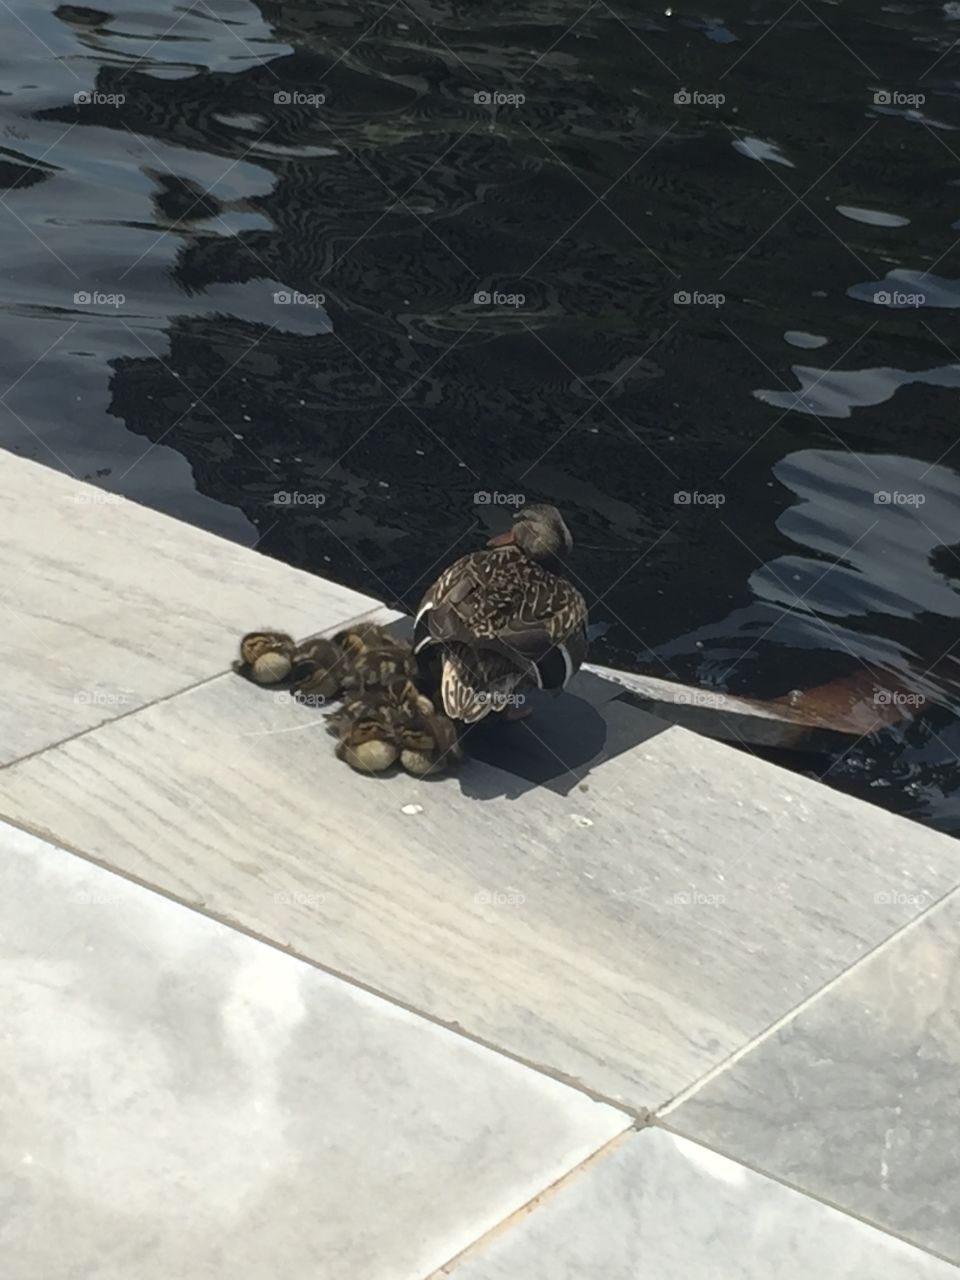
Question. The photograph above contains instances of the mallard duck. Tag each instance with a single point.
(505, 618)
(376, 727)
(266, 656)
(318, 670)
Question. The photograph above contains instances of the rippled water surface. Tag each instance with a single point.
(247, 249)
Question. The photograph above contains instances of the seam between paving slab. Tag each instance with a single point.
(512, 1221)
(340, 625)
(803, 1005)
(530, 1206)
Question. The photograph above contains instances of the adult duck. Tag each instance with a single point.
(504, 619)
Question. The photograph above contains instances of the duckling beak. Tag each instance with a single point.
(501, 539)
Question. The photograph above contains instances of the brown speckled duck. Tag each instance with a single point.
(505, 618)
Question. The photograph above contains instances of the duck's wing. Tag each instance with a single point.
(504, 604)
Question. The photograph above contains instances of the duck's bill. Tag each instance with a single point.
(501, 539)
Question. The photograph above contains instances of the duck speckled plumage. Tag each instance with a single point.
(505, 618)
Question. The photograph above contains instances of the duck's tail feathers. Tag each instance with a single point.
(462, 700)
(469, 696)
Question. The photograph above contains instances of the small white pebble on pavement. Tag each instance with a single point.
(580, 820)
(412, 808)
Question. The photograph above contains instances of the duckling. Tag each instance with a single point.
(432, 748)
(376, 667)
(364, 635)
(402, 722)
(366, 729)
(265, 656)
(317, 670)
(363, 749)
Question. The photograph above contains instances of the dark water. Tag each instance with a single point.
(207, 176)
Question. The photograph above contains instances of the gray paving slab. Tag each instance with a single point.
(629, 937)
(179, 1100)
(106, 606)
(857, 1098)
(658, 1207)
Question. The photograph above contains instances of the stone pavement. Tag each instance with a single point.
(614, 1000)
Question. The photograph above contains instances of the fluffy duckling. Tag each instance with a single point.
(266, 657)
(365, 635)
(373, 657)
(432, 748)
(376, 668)
(377, 726)
(318, 670)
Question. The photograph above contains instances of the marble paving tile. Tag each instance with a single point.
(857, 1098)
(106, 606)
(657, 1207)
(629, 936)
(177, 1099)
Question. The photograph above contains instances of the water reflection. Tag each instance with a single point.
(399, 257)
